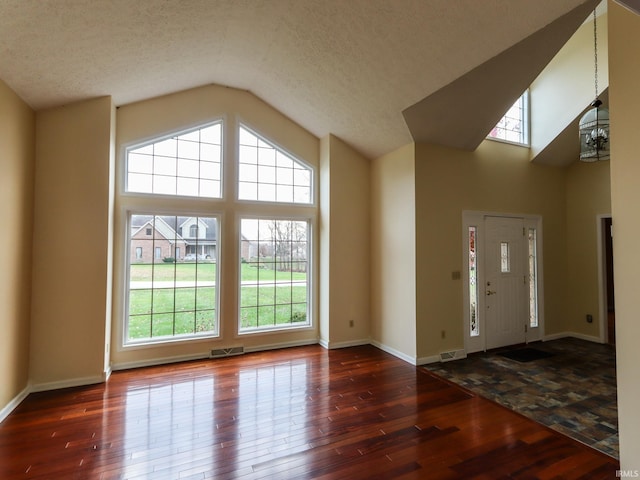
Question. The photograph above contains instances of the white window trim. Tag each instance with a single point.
(527, 124)
(124, 343)
(311, 285)
(312, 170)
(227, 209)
(123, 191)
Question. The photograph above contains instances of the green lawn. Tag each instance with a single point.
(187, 310)
(171, 271)
(205, 272)
(255, 271)
(268, 305)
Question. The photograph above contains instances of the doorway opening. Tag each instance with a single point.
(607, 290)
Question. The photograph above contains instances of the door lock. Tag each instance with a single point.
(491, 292)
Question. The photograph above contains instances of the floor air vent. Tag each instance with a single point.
(226, 352)
(446, 356)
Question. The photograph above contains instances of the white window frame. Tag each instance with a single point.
(273, 210)
(227, 209)
(525, 120)
(310, 221)
(161, 138)
(132, 343)
(275, 145)
(144, 203)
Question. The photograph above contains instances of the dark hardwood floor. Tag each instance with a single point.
(355, 413)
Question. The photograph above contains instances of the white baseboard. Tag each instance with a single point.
(72, 382)
(204, 355)
(555, 336)
(17, 400)
(350, 343)
(428, 360)
(387, 349)
(44, 387)
(581, 336)
(158, 361)
(394, 352)
(276, 346)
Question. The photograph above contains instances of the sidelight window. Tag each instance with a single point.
(533, 279)
(473, 283)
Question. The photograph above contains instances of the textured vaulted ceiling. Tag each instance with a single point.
(347, 67)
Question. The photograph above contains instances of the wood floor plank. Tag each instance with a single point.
(300, 413)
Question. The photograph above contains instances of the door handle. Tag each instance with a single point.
(491, 292)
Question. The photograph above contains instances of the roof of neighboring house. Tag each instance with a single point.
(169, 225)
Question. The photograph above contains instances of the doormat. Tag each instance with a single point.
(526, 354)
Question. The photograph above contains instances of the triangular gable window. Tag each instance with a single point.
(268, 174)
(188, 164)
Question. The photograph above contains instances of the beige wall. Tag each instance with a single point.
(17, 155)
(324, 227)
(565, 87)
(624, 97)
(71, 244)
(142, 121)
(393, 252)
(497, 177)
(74, 201)
(588, 196)
(345, 263)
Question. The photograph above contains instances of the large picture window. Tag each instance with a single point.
(170, 295)
(172, 277)
(274, 288)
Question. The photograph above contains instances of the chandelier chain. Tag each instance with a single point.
(595, 50)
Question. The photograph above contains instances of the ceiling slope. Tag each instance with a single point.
(349, 68)
(461, 114)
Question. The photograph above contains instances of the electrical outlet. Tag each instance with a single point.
(351, 323)
(589, 318)
(443, 334)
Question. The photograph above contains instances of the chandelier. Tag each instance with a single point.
(594, 125)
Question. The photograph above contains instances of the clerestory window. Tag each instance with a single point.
(513, 127)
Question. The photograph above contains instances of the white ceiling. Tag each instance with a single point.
(347, 67)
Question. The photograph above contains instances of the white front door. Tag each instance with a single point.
(506, 291)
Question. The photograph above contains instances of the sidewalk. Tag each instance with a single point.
(210, 283)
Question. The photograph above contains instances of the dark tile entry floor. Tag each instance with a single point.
(572, 391)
